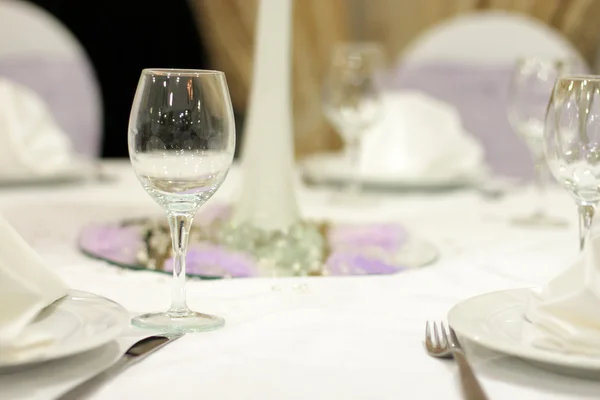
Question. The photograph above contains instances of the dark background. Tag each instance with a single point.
(122, 38)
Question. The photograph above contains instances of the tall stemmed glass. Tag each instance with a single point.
(181, 145)
(572, 143)
(530, 88)
(352, 97)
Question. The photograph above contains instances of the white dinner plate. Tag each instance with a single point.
(334, 169)
(78, 322)
(497, 321)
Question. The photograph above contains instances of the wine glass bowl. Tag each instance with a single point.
(352, 96)
(531, 85)
(572, 142)
(181, 145)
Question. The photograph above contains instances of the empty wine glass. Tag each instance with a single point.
(572, 143)
(352, 97)
(530, 88)
(181, 145)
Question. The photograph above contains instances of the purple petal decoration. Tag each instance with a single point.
(355, 249)
(341, 263)
(118, 244)
(386, 236)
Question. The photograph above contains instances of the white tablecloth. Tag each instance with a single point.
(345, 338)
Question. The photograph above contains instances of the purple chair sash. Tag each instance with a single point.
(480, 95)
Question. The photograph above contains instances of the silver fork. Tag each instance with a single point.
(446, 346)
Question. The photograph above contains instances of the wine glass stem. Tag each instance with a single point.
(586, 216)
(353, 149)
(180, 225)
(540, 184)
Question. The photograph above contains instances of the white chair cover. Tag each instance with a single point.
(37, 51)
(467, 61)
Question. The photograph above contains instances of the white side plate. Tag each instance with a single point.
(497, 321)
(334, 169)
(79, 322)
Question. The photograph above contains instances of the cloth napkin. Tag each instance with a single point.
(419, 137)
(565, 313)
(32, 142)
(26, 287)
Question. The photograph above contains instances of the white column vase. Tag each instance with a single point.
(268, 200)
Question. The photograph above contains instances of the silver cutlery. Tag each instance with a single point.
(136, 353)
(444, 344)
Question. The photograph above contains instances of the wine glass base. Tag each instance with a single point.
(186, 323)
(539, 220)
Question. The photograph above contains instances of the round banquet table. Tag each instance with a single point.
(343, 338)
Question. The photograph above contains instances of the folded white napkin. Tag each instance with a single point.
(26, 287)
(419, 137)
(32, 142)
(565, 313)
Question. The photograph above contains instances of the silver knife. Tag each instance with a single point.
(133, 355)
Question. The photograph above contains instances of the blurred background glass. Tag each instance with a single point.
(352, 97)
(531, 85)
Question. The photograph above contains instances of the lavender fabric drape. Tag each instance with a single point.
(69, 88)
(480, 95)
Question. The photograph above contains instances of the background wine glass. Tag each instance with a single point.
(530, 88)
(572, 143)
(352, 97)
(181, 145)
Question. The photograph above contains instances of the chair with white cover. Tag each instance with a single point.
(38, 51)
(467, 61)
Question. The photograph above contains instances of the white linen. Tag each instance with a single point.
(26, 287)
(32, 142)
(565, 313)
(345, 338)
(419, 137)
